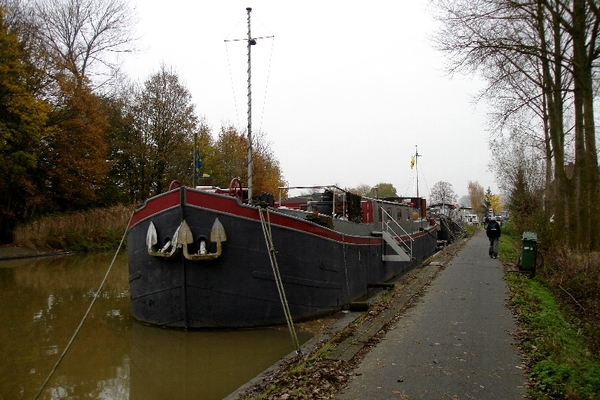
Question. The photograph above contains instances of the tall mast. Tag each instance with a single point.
(417, 155)
(249, 161)
(250, 42)
(417, 169)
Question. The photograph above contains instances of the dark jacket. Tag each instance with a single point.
(493, 230)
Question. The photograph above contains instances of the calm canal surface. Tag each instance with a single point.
(42, 302)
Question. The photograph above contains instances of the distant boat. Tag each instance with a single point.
(206, 257)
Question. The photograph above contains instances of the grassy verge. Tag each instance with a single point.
(99, 229)
(560, 362)
(471, 229)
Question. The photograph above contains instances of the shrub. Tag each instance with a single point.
(98, 229)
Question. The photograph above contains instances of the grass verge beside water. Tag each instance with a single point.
(99, 229)
(554, 347)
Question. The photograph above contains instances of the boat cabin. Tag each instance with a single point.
(340, 204)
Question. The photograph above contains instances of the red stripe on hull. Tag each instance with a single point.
(230, 205)
(156, 205)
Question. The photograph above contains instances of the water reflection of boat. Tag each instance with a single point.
(175, 364)
(208, 257)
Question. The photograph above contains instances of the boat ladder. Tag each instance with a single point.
(266, 227)
(401, 248)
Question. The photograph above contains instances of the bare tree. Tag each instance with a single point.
(442, 192)
(518, 158)
(83, 36)
(539, 59)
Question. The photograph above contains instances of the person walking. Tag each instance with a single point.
(493, 232)
(486, 221)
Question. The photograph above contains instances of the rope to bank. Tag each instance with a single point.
(266, 226)
(64, 353)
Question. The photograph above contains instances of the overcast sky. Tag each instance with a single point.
(343, 92)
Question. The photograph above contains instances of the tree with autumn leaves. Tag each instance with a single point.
(481, 201)
(227, 156)
(52, 123)
(67, 143)
(23, 119)
(156, 137)
(72, 154)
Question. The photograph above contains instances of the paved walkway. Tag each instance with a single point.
(454, 343)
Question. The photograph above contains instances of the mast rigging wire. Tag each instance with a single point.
(262, 115)
(231, 80)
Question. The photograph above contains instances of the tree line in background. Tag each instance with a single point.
(478, 199)
(75, 134)
(540, 62)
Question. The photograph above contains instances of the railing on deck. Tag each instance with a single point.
(392, 229)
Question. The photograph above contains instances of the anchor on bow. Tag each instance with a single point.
(217, 235)
(170, 248)
(183, 237)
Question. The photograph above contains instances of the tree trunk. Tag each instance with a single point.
(586, 160)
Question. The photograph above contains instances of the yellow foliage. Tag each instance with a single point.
(496, 203)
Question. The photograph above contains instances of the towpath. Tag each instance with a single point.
(456, 342)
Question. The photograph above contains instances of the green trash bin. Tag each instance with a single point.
(529, 252)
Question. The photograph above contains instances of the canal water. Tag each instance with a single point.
(42, 302)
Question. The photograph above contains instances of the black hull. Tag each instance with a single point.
(322, 270)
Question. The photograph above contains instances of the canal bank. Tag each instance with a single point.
(326, 361)
(9, 252)
(446, 331)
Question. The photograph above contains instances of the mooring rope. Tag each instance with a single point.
(64, 353)
(266, 226)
